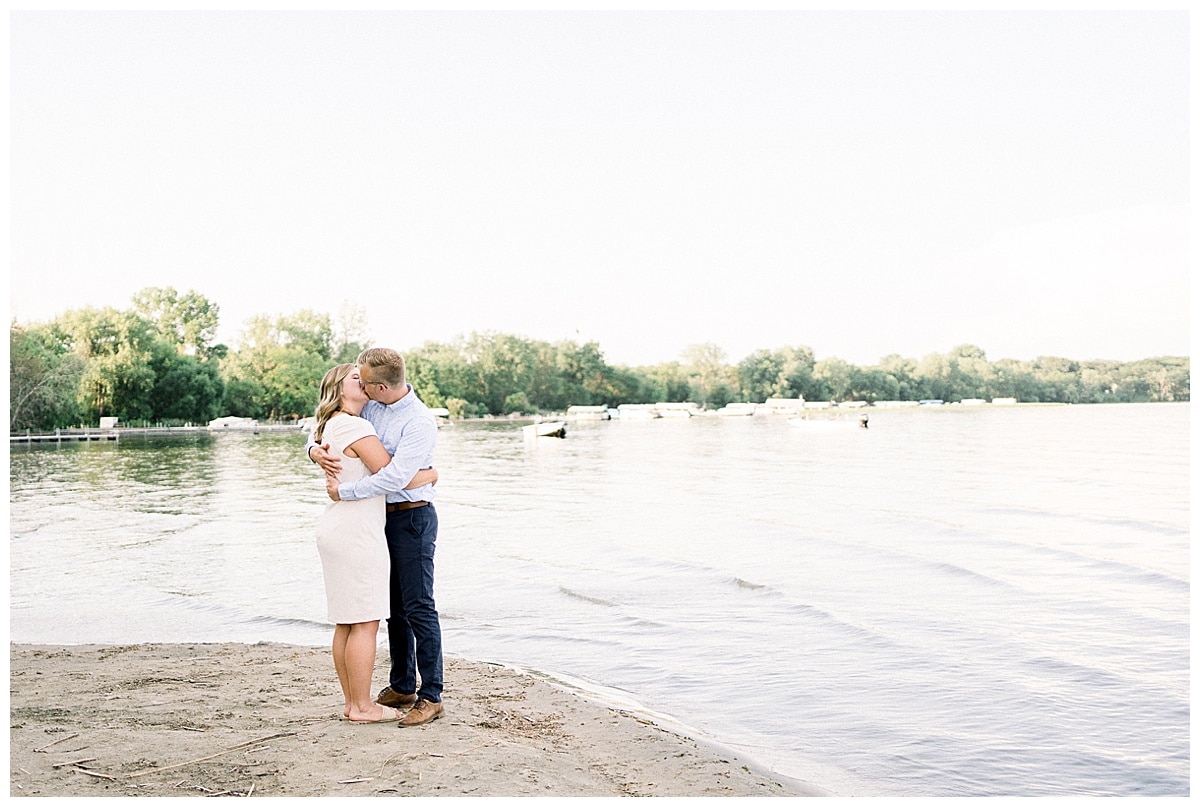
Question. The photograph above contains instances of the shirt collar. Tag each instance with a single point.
(404, 402)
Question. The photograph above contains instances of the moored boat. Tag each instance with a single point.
(588, 413)
(551, 428)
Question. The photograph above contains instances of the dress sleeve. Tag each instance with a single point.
(357, 429)
(349, 428)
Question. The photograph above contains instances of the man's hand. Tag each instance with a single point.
(330, 464)
(331, 487)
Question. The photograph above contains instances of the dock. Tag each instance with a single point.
(66, 435)
(114, 435)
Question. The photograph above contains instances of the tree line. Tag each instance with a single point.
(155, 363)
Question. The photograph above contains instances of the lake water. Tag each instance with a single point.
(971, 601)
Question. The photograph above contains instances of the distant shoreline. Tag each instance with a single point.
(95, 433)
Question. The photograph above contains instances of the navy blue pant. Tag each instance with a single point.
(414, 633)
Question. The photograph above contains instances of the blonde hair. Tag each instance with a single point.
(331, 396)
(388, 364)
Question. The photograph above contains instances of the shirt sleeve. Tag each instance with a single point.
(414, 453)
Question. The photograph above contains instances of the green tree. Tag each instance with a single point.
(972, 376)
(307, 332)
(710, 380)
(438, 372)
(1058, 379)
(499, 365)
(758, 375)
(797, 375)
(783, 373)
(935, 377)
(276, 371)
(837, 376)
(351, 334)
(666, 382)
(187, 321)
(1015, 379)
(115, 348)
(873, 384)
(517, 404)
(904, 372)
(186, 389)
(43, 380)
(587, 380)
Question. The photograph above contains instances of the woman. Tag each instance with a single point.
(354, 554)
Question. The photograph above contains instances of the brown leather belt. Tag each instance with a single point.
(396, 507)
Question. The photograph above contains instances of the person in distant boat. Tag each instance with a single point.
(409, 432)
(350, 539)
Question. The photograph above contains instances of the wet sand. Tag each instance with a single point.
(265, 720)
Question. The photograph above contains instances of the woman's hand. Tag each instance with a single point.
(331, 465)
(331, 487)
(425, 476)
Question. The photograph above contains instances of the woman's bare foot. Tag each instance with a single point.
(377, 714)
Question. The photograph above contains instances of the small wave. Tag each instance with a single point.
(1155, 527)
(1114, 567)
(191, 602)
(587, 598)
(285, 622)
(962, 571)
(1092, 677)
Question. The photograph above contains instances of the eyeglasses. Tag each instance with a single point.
(362, 383)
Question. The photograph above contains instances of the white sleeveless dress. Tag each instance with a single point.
(354, 553)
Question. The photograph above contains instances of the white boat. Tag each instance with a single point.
(780, 406)
(637, 412)
(737, 409)
(551, 428)
(588, 413)
(676, 409)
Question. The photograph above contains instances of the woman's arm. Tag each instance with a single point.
(371, 451)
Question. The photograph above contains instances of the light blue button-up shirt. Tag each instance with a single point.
(408, 430)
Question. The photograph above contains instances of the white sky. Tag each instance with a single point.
(861, 183)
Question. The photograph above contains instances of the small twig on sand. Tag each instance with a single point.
(211, 756)
(93, 773)
(356, 781)
(56, 742)
(191, 728)
(429, 754)
(76, 762)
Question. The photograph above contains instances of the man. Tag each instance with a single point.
(409, 432)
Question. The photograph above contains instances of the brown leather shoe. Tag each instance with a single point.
(390, 697)
(422, 713)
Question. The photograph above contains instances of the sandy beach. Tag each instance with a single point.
(265, 720)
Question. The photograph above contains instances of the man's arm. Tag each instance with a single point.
(413, 453)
